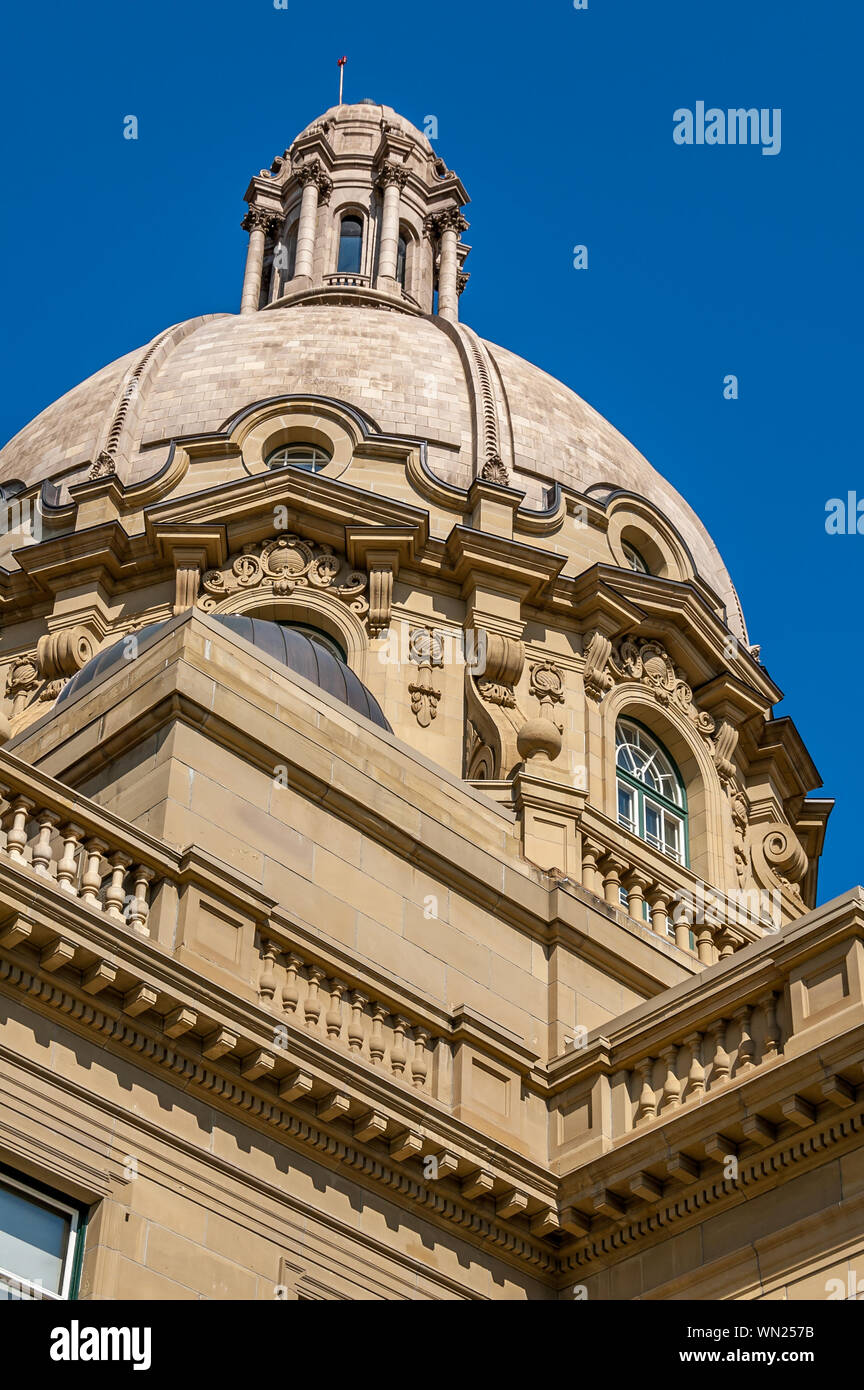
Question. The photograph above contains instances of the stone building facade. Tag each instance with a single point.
(406, 888)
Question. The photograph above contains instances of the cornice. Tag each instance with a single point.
(423, 1120)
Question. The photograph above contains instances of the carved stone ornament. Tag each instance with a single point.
(495, 470)
(22, 682)
(740, 820)
(281, 566)
(546, 682)
(596, 649)
(505, 658)
(426, 650)
(785, 857)
(479, 758)
(104, 466)
(651, 665)
(63, 653)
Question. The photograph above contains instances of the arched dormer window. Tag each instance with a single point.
(651, 799)
(635, 559)
(350, 244)
(401, 259)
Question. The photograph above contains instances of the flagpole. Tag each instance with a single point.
(342, 62)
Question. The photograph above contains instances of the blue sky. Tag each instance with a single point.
(702, 261)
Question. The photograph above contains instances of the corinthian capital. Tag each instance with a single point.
(449, 219)
(391, 173)
(257, 219)
(307, 173)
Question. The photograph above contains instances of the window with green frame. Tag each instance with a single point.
(651, 799)
(41, 1241)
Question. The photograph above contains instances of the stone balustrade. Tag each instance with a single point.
(345, 279)
(299, 990)
(666, 896)
(108, 866)
(701, 1061)
(110, 870)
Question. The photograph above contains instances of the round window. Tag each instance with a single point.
(310, 457)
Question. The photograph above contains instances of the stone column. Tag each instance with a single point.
(391, 181)
(316, 187)
(448, 226)
(257, 223)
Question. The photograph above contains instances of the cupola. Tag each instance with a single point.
(359, 209)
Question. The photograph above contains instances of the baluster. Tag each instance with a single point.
(67, 866)
(659, 905)
(115, 898)
(16, 835)
(635, 884)
(696, 1074)
(91, 881)
(355, 1026)
(398, 1050)
(42, 848)
(376, 1040)
(746, 1046)
(613, 868)
(333, 1017)
(770, 1046)
(705, 944)
(725, 943)
(671, 1098)
(139, 910)
(647, 1106)
(721, 1065)
(590, 872)
(312, 1002)
(290, 991)
(267, 978)
(420, 1060)
(684, 919)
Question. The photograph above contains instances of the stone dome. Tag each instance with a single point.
(408, 373)
(359, 114)
(293, 648)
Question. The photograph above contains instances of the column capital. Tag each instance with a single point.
(390, 174)
(257, 219)
(448, 219)
(313, 172)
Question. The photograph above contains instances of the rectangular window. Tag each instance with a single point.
(627, 809)
(38, 1238)
(672, 837)
(653, 826)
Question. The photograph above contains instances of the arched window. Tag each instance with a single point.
(401, 259)
(291, 251)
(350, 245)
(651, 799)
(310, 457)
(634, 559)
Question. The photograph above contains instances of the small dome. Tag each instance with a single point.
(300, 652)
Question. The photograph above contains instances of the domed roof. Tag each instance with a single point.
(302, 654)
(406, 372)
(365, 113)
